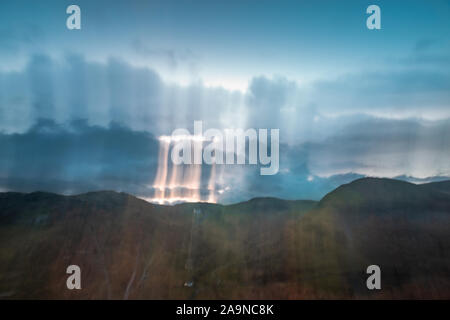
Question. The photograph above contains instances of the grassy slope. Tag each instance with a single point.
(262, 248)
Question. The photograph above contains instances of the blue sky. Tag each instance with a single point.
(228, 42)
(349, 101)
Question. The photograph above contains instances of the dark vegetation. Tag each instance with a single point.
(263, 248)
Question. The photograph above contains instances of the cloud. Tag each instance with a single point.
(386, 148)
(424, 44)
(420, 91)
(73, 88)
(77, 157)
(21, 37)
(173, 58)
(328, 132)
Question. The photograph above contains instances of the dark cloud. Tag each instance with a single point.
(385, 148)
(78, 158)
(73, 88)
(267, 97)
(125, 107)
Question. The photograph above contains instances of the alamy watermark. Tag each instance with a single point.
(74, 280)
(228, 147)
(73, 22)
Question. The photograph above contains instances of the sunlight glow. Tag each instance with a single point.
(178, 183)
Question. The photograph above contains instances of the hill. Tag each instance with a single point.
(263, 248)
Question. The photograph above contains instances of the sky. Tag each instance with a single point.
(81, 110)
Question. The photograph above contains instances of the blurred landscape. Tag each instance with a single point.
(264, 248)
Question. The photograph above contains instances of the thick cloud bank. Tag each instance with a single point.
(71, 125)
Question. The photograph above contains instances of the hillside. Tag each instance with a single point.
(263, 248)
